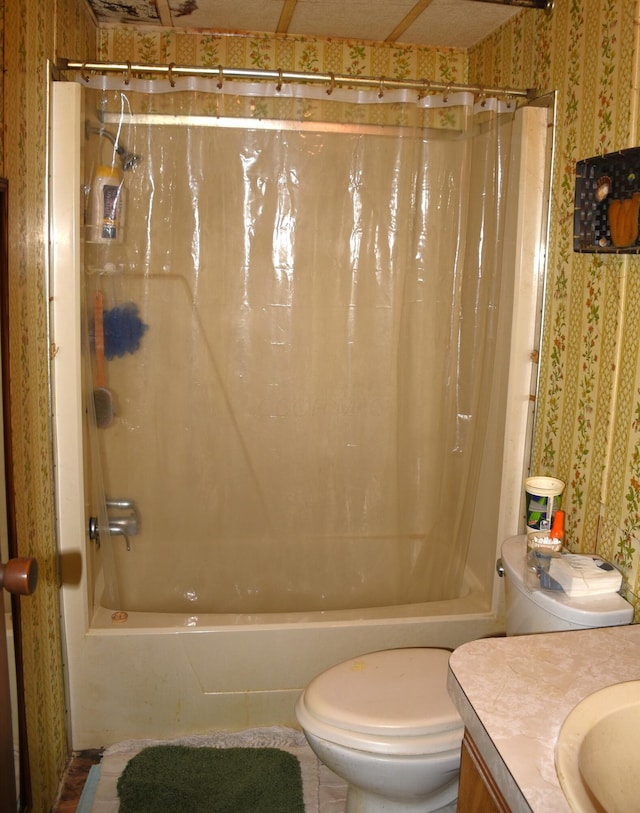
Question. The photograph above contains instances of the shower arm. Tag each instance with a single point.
(128, 159)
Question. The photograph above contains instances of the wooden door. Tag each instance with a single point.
(18, 576)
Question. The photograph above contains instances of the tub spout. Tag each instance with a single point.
(118, 530)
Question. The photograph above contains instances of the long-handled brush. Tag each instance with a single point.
(102, 398)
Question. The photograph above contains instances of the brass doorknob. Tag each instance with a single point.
(19, 575)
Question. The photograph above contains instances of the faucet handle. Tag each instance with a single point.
(123, 504)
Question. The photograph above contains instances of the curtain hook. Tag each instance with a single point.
(172, 81)
(381, 88)
(220, 77)
(425, 89)
(332, 83)
(83, 72)
(279, 85)
(447, 90)
(127, 79)
(482, 95)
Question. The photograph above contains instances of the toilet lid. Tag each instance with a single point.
(396, 692)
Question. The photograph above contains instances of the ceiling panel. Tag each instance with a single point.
(457, 23)
(230, 15)
(441, 23)
(337, 18)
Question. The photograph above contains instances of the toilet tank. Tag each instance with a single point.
(529, 611)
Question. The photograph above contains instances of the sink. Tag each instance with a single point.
(598, 751)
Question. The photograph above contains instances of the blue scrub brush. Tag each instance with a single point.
(123, 330)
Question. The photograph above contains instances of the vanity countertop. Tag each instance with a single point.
(513, 695)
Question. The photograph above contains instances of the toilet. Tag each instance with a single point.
(384, 721)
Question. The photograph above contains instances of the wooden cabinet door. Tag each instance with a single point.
(478, 791)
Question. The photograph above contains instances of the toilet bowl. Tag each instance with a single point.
(384, 722)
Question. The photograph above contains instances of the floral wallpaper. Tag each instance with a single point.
(147, 44)
(588, 409)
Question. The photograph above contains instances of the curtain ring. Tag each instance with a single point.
(172, 81)
(83, 72)
(381, 88)
(425, 89)
(482, 95)
(127, 76)
(332, 83)
(279, 85)
(447, 91)
(220, 77)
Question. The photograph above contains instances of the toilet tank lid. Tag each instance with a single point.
(395, 692)
(606, 610)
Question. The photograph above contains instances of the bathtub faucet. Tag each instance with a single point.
(126, 522)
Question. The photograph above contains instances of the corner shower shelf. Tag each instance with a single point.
(590, 223)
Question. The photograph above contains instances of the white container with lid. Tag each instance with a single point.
(529, 611)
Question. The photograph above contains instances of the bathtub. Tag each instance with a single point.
(154, 675)
(162, 674)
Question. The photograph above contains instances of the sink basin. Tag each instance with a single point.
(598, 751)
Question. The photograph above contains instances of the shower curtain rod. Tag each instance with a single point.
(279, 75)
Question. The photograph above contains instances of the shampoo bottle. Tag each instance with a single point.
(106, 205)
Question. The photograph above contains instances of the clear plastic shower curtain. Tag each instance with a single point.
(312, 281)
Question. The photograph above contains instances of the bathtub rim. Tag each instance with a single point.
(474, 600)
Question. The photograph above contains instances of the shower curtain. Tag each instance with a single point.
(299, 301)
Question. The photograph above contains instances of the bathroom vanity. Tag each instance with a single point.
(514, 694)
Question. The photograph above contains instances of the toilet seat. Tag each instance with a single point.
(394, 702)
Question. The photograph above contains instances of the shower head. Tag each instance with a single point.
(129, 160)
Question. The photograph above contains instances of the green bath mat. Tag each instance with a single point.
(180, 779)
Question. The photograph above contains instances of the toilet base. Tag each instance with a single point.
(362, 801)
(382, 783)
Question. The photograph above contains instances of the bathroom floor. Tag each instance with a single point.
(324, 791)
(331, 790)
(74, 779)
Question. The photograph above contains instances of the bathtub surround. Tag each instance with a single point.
(308, 398)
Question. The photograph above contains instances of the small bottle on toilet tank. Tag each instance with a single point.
(557, 529)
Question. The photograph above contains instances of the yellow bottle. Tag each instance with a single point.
(106, 203)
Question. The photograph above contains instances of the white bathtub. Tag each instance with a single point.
(161, 675)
